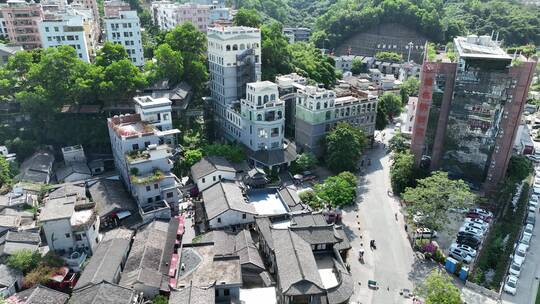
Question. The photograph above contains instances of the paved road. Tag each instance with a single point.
(392, 264)
(528, 282)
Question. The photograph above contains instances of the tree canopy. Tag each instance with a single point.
(398, 143)
(233, 153)
(388, 56)
(434, 195)
(388, 107)
(344, 145)
(402, 171)
(247, 17)
(24, 260)
(338, 191)
(439, 289)
(409, 88)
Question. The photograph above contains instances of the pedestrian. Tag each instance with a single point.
(395, 215)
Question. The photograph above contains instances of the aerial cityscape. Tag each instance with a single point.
(269, 152)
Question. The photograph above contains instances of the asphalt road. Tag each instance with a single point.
(392, 264)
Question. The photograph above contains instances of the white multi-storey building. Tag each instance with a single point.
(168, 15)
(124, 28)
(142, 156)
(66, 28)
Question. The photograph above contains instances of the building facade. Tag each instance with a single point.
(142, 157)
(66, 28)
(469, 110)
(20, 23)
(124, 28)
(167, 15)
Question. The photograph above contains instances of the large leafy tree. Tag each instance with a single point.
(24, 260)
(121, 79)
(439, 289)
(357, 66)
(409, 88)
(402, 171)
(109, 53)
(388, 107)
(434, 195)
(276, 56)
(6, 172)
(167, 64)
(247, 17)
(344, 145)
(398, 143)
(311, 62)
(338, 191)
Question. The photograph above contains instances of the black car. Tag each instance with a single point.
(472, 242)
(469, 234)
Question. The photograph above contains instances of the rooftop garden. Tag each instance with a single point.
(156, 175)
(137, 155)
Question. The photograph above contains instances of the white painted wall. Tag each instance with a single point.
(213, 178)
(231, 218)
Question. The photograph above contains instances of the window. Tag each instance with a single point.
(148, 188)
(135, 146)
(203, 180)
(68, 235)
(219, 220)
(226, 292)
(150, 200)
(214, 178)
(78, 237)
(156, 186)
(158, 198)
(94, 227)
(170, 194)
(244, 216)
(146, 143)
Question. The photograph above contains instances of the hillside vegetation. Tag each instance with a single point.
(333, 21)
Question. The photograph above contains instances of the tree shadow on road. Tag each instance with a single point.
(421, 269)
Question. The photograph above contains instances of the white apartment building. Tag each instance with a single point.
(156, 111)
(125, 29)
(69, 221)
(142, 157)
(66, 28)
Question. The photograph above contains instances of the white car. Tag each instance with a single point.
(477, 221)
(520, 254)
(528, 230)
(534, 198)
(475, 231)
(515, 269)
(536, 190)
(468, 249)
(460, 255)
(534, 158)
(510, 286)
(425, 233)
(526, 240)
(533, 203)
(476, 226)
(481, 211)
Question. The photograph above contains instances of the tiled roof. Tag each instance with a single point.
(38, 295)
(210, 164)
(224, 196)
(103, 293)
(193, 295)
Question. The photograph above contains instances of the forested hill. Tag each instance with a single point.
(335, 20)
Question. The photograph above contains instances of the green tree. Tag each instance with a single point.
(306, 161)
(109, 53)
(276, 56)
(233, 153)
(357, 66)
(192, 156)
(338, 191)
(398, 143)
(402, 171)
(519, 168)
(439, 289)
(344, 145)
(388, 107)
(168, 64)
(121, 79)
(309, 61)
(434, 195)
(247, 17)
(160, 299)
(24, 260)
(409, 88)
(187, 39)
(388, 56)
(310, 198)
(5, 172)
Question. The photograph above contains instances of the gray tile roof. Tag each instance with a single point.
(224, 196)
(150, 254)
(291, 198)
(308, 219)
(110, 196)
(68, 190)
(103, 293)
(37, 168)
(38, 295)
(8, 275)
(344, 290)
(106, 260)
(58, 208)
(193, 295)
(296, 266)
(264, 225)
(240, 244)
(10, 221)
(210, 164)
(317, 234)
(77, 167)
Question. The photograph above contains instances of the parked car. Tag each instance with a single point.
(425, 233)
(534, 158)
(482, 212)
(478, 216)
(460, 255)
(533, 203)
(534, 198)
(531, 218)
(536, 190)
(528, 230)
(520, 253)
(476, 226)
(476, 221)
(510, 285)
(515, 269)
(526, 240)
(468, 249)
(472, 230)
(469, 241)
